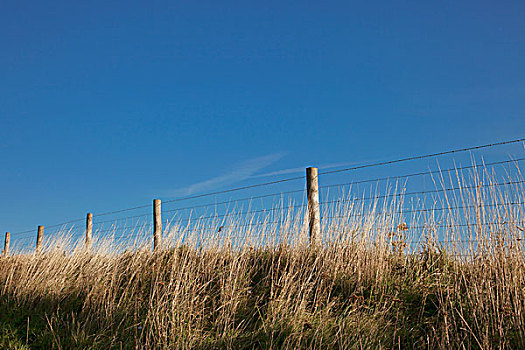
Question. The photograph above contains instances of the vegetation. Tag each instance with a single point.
(368, 287)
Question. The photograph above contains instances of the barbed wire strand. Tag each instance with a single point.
(409, 211)
(234, 189)
(421, 192)
(233, 201)
(245, 212)
(422, 156)
(422, 173)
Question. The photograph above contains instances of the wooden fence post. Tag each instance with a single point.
(39, 239)
(314, 216)
(157, 222)
(6, 243)
(89, 231)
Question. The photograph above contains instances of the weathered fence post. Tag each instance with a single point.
(89, 231)
(6, 243)
(39, 239)
(157, 224)
(314, 216)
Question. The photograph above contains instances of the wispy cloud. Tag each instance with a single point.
(238, 173)
(302, 169)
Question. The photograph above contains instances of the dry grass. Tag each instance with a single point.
(260, 286)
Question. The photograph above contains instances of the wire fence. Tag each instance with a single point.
(458, 191)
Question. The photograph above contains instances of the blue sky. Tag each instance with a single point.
(105, 105)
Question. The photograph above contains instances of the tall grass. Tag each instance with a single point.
(390, 274)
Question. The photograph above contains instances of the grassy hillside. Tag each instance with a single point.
(368, 287)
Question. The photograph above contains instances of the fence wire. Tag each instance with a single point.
(229, 214)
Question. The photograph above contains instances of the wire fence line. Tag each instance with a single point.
(426, 210)
(423, 192)
(431, 155)
(394, 228)
(424, 173)
(234, 189)
(121, 219)
(219, 218)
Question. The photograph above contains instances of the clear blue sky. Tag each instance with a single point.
(106, 105)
